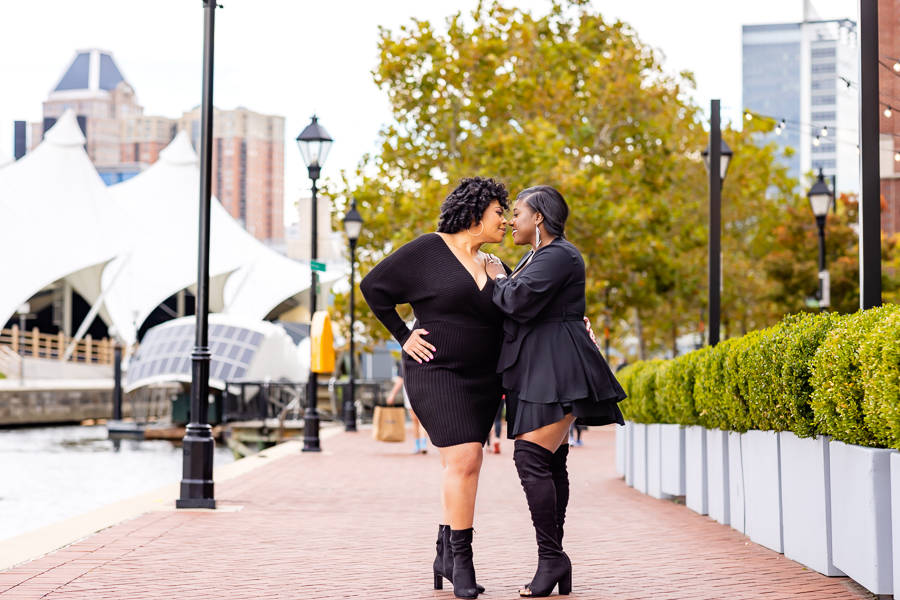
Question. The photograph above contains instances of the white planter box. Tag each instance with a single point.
(640, 457)
(762, 488)
(696, 497)
(654, 462)
(861, 515)
(717, 475)
(806, 502)
(736, 481)
(620, 449)
(671, 460)
(895, 513)
(629, 453)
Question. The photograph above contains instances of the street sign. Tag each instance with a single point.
(317, 266)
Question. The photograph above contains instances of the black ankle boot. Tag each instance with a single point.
(464, 585)
(533, 464)
(439, 560)
(448, 560)
(560, 475)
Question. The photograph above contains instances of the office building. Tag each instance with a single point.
(889, 87)
(805, 74)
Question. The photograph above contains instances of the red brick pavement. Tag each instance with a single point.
(360, 520)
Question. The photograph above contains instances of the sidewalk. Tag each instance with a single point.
(360, 521)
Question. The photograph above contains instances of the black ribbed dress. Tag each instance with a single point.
(455, 395)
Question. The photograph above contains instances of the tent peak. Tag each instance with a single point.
(66, 131)
(179, 151)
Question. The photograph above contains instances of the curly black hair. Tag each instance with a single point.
(466, 204)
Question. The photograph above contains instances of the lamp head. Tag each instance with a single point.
(314, 143)
(353, 222)
(724, 161)
(820, 197)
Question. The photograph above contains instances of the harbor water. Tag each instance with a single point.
(49, 474)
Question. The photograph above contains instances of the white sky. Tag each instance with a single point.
(291, 57)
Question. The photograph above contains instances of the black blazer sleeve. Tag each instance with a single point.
(524, 296)
(391, 282)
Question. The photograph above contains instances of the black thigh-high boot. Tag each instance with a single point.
(464, 585)
(447, 569)
(560, 475)
(533, 464)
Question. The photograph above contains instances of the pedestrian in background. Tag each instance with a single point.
(421, 440)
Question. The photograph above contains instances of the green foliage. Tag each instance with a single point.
(802, 336)
(640, 381)
(710, 390)
(837, 378)
(629, 405)
(739, 380)
(880, 360)
(760, 379)
(676, 388)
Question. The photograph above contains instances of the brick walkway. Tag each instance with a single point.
(359, 521)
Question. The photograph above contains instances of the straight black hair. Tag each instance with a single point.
(550, 203)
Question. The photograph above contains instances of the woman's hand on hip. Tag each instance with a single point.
(418, 348)
(587, 324)
(493, 267)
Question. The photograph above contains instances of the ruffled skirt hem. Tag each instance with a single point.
(523, 416)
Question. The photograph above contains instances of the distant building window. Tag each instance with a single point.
(824, 164)
(823, 100)
(822, 117)
(823, 68)
(824, 149)
(823, 53)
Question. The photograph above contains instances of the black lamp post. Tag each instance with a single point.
(716, 158)
(820, 200)
(198, 444)
(117, 375)
(352, 227)
(314, 143)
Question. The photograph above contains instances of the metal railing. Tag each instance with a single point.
(261, 400)
(46, 345)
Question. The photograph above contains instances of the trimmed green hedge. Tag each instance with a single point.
(812, 374)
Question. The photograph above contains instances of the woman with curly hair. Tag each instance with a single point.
(452, 352)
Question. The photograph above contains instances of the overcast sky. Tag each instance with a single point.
(293, 57)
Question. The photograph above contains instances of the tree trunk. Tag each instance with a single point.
(639, 331)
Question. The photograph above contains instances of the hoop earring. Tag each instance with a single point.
(537, 231)
(476, 234)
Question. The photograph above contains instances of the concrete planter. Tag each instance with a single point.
(629, 453)
(806, 502)
(671, 445)
(654, 462)
(736, 481)
(640, 457)
(861, 515)
(717, 475)
(762, 488)
(620, 450)
(696, 492)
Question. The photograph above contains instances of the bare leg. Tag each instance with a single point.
(550, 436)
(460, 483)
(445, 513)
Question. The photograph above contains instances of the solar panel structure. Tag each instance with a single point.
(167, 351)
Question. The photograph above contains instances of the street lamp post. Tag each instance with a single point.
(716, 158)
(197, 490)
(117, 374)
(352, 227)
(820, 201)
(314, 143)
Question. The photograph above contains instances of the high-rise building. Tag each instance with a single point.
(248, 148)
(248, 167)
(889, 88)
(805, 74)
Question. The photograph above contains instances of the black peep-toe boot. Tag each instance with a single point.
(533, 464)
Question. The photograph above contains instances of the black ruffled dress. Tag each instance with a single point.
(549, 364)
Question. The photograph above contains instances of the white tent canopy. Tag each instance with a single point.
(58, 218)
(163, 204)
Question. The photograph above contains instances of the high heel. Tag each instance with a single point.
(464, 585)
(439, 581)
(447, 569)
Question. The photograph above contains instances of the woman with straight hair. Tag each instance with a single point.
(553, 373)
(451, 355)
